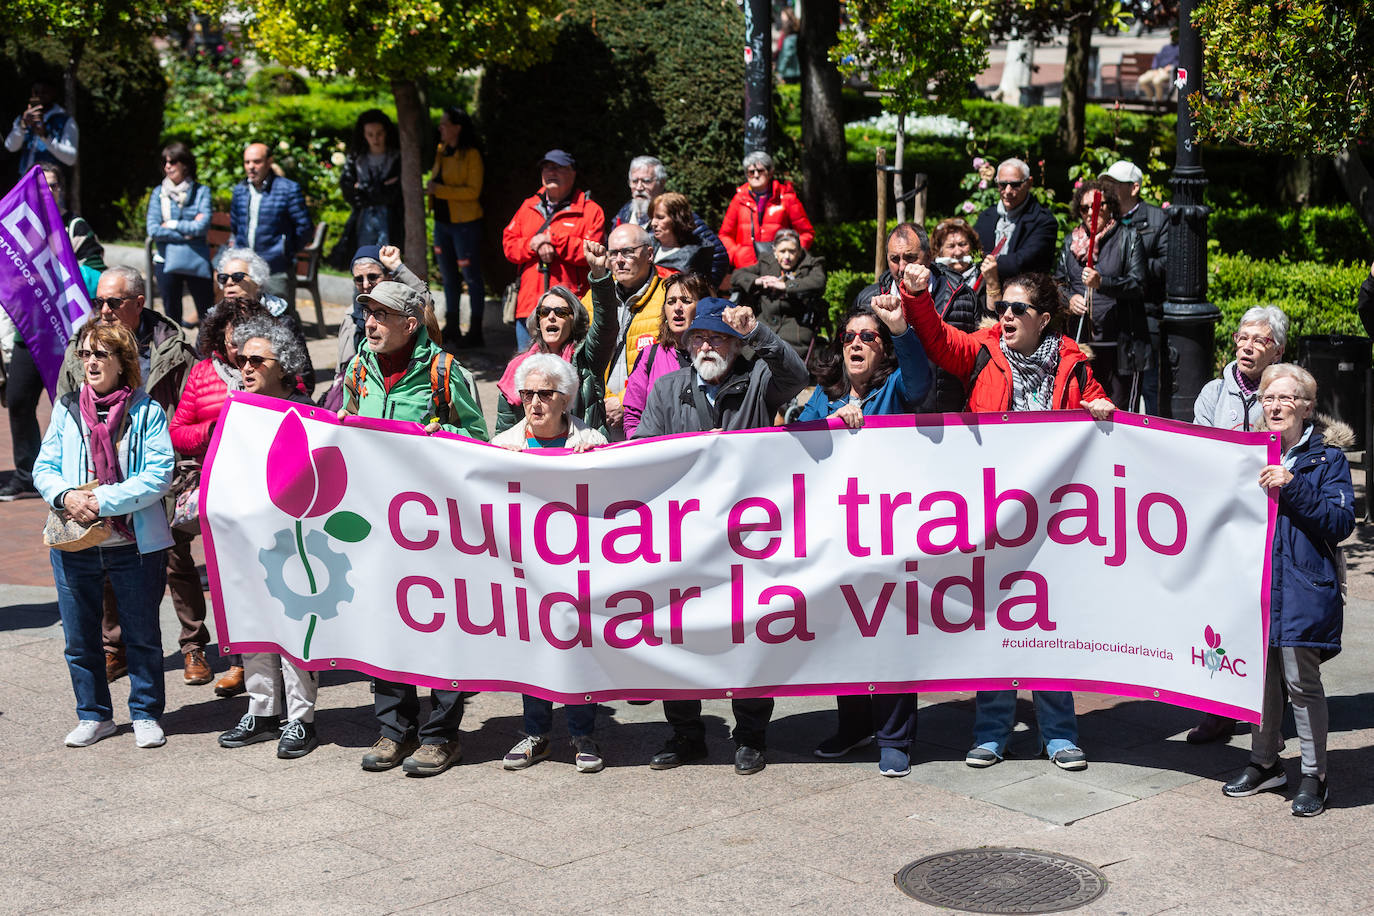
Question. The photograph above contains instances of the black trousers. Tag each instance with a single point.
(22, 392)
(397, 707)
(751, 720)
(892, 716)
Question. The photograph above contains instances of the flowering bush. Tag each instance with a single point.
(205, 83)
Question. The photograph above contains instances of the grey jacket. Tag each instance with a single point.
(751, 395)
(1223, 405)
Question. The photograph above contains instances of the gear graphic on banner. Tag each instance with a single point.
(326, 603)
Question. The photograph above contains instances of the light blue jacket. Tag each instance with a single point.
(145, 455)
(182, 248)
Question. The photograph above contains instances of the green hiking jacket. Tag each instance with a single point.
(411, 398)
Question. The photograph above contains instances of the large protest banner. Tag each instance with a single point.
(1030, 550)
(40, 283)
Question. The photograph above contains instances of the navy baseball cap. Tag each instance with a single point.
(559, 157)
(710, 317)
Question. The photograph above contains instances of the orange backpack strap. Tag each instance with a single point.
(355, 385)
(440, 373)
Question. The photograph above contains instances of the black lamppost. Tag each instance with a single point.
(758, 71)
(1187, 331)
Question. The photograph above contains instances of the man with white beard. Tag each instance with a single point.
(722, 390)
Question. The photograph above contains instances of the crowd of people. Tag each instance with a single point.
(649, 325)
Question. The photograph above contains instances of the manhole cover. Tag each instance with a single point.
(1002, 881)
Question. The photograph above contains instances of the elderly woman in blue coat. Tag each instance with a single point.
(111, 433)
(1316, 512)
(178, 222)
(877, 366)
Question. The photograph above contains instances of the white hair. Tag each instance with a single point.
(1305, 382)
(1271, 315)
(255, 266)
(133, 280)
(648, 162)
(1017, 164)
(554, 368)
(758, 157)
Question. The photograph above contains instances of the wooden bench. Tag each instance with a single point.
(1119, 84)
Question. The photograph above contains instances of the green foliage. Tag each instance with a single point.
(848, 246)
(841, 286)
(662, 77)
(205, 83)
(913, 48)
(271, 82)
(1333, 235)
(1318, 297)
(1295, 76)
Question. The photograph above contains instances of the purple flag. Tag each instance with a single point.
(40, 282)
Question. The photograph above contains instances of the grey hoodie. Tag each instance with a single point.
(1222, 404)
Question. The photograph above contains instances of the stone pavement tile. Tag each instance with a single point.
(1132, 780)
(290, 876)
(448, 824)
(393, 792)
(318, 819)
(756, 835)
(745, 887)
(1058, 799)
(153, 898)
(594, 884)
(135, 822)
(709, 786)
(1342, 885)
(426, 876)
(21, 894)
(163, 858)
(34, 804)
(475, 903)
(958, 777)
(269, 791)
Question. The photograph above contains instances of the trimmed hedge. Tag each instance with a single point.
(1328, 234)
(1318, 298)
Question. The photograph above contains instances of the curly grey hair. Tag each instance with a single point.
(255, 266)
(285, 347)
(554, 368)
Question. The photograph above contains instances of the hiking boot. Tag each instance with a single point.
(433, 759)
(387, 753)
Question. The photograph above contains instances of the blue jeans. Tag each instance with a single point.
(522, 336)
(460, 250)
(994, 717)
(539, 717)
(138, 582)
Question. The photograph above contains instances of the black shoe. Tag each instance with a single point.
(840, 745)
(1255, 780)
(639, 702)
(1311, 797)
(250, 730)
(297, 739)
(748, 760)
(676, 752)
(12, 491)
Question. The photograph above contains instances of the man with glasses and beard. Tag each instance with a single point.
(722, 390)
(1019, 231)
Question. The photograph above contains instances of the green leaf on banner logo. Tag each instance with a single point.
(348, 526)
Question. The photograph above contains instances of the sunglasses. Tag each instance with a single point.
(756, 170)
(541, 394)
(84, 355)
(256, 361)
(562, 311)
(1017, 308)
(366, 279)
(1012, 184)
(111, 302)
(865, 335)
(237, 276)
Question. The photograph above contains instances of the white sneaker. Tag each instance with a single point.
(147, 733)
(89, 731)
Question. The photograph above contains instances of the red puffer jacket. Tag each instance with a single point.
(581, 219)
(961, 353)
(194, 421)
(743, 225)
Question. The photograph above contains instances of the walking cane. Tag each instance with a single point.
(1092, 246)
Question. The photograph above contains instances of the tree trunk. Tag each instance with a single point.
(1358, 184)
(409, 117)
(899, 163)
(73, 202)
(823, 146)
(1016, 71)
(1074, 94)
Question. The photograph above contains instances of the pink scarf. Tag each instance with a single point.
(1079, 243)
(507, 383)
(102, 436)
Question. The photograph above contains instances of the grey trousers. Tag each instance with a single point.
(273, 680)
(1298, 670)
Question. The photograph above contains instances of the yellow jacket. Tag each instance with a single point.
(645, 317)
(458, 183)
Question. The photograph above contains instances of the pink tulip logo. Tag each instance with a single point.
(1215, 653)
(308, 483)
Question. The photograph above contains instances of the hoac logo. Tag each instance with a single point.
(306, 483)
(1214, 657)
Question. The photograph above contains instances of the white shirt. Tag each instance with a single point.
(254, 202)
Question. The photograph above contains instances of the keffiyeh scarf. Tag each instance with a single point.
(1032, 377)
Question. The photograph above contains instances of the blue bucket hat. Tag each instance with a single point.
(370, 252)
(710, 317)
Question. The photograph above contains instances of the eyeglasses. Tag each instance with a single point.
(256, 361)
(637, 182)
(1283, 400)
(237, 276)
(84, 355)
(1012, 184)
(377, 315)
(757, 170)
(562, 311)
(716, 341)
(1017, 308)
(111, 302)
(1253, 340)
(539, 394)
(866, 336)
(364, 279)
(625, 253)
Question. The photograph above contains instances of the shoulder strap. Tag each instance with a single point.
(440, 371)
(980, 362)
(705, 414)
(354, 385)
(1078, 374)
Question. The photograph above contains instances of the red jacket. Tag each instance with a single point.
(961, 353)
(581, 219)
(194, 421)
(742, 226)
